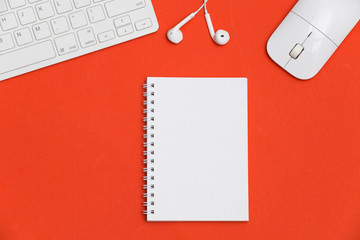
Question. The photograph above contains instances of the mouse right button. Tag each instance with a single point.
(334, 18)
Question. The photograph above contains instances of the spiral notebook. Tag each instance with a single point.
(196, 152)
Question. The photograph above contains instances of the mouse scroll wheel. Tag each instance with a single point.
(296, 51)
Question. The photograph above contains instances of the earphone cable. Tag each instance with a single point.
(204, 5)
(205, 9)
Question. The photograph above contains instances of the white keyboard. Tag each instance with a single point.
(38, 33)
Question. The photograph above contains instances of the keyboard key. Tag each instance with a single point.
(3, 6)
(96, 14)
(26, 16)
(41, 31)
(122, 21)
(16, 3)
(124, 30)
(66, 44)
(143, 24)
(60, 25)
(86, 37)
(23, 36)
(6, 42)
(34, 54)
(69, 28)
(117, 7)
(78, 19)
(63, 6)
(81, 3)
(8, 21)
(106, 36)
(45, 10)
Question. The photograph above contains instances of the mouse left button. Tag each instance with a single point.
(317, 49)
(291, 31)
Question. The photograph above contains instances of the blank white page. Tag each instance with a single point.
(200, 149)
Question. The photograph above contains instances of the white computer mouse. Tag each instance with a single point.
(311, 33)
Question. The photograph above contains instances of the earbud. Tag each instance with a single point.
(221, 37)
(175, 35)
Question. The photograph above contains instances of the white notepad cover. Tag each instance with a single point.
(197, 151)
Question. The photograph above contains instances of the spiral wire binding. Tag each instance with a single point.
(149, 151)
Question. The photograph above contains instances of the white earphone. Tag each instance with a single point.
(175, 35)
(221, 37)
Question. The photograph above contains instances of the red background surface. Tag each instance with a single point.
(71, 135)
